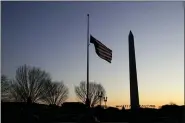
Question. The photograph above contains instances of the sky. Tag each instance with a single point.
(53, 37)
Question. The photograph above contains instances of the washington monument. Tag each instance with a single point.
(134, 96)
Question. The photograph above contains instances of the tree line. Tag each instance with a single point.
(34, 85)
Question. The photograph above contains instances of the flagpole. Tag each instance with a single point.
(87, 96)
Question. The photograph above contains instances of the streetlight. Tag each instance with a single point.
(100, 95)
(105, 100)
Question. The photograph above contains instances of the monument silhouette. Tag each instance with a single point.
(134, 96)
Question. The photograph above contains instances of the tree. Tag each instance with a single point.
(28, 85)
(5, 87)
(94, 91)
(56, 93)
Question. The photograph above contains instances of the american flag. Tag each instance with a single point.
(101, 50)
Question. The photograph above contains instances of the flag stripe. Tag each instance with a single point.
(99, 44)
(101, 50)
(102, 45)
(105, 58)
(109, 55)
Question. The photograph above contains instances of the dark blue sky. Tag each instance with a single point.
(53, 36)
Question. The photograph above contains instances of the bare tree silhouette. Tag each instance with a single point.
(28, 85)
(5, 87)
(56, 93)
(94, 90)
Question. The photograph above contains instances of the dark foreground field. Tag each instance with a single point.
(77, 112)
